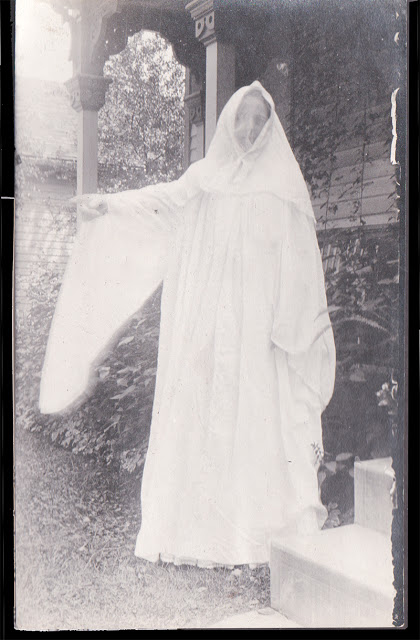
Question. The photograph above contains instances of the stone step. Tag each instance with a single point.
(336, 578)
(374, 486)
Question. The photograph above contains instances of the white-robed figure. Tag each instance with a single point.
(246, 359)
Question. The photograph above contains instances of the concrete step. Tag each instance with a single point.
(336, 578)
(374, 486)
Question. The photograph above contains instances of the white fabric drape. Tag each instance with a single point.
(246, 352)
(117, 261)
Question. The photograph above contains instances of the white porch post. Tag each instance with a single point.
(88, 86)
(87, 97)
(220, 82)
(220, 62)
(194, 119)
(87, 151)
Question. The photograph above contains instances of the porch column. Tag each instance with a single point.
(194, 119)
(88, 23)
(87, 97)
(220, 62)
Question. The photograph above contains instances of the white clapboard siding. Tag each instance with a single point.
(44, 233)
(363, 180)
(44, 221)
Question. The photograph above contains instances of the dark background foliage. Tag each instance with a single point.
(346, 63)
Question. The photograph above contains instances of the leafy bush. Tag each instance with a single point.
(359, 423)
(112, 424)
(363, 296)
(335, 479)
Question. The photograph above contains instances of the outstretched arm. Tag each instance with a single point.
(91, 205)
(118, 260)
(164, 202)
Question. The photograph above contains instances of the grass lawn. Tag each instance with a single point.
(76, 525)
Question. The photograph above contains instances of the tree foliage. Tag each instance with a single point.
(141, 127)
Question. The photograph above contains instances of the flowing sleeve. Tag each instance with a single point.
(117, 261)
(302, 327)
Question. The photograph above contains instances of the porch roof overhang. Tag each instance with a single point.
(101, 29)
(223, 45)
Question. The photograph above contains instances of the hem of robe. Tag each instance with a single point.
(179, 561)
(306, 522)
(256, 559)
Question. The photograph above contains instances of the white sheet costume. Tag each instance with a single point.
(246, 352)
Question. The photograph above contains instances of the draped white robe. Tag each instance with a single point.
(246, 358)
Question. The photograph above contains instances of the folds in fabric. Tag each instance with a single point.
(302, 327)
(118, 260)
(305, 358)
(246, 355)
(268, 166)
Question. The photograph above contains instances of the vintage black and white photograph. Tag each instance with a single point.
(209, 314)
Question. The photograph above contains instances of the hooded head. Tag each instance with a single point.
(250, 153)
(251, 116)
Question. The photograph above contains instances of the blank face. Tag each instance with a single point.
(252, 114)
